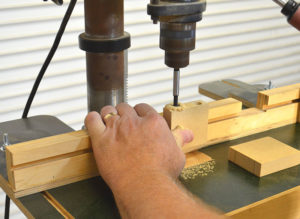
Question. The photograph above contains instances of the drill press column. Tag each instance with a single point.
(105, 43)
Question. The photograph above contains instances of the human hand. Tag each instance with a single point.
(134, 142)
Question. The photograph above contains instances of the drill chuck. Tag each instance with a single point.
(177, 39)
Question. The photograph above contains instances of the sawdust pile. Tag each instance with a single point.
(198, 170)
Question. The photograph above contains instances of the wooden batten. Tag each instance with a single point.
(283, 205)
(278, 96)
(248, 122)
(223, 109)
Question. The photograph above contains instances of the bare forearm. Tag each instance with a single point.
(158, 196)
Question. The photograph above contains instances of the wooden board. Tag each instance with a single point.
(248, 122)
(264, 156)
(192, 116)
(283, 205)
(66, 158)
(278, 96)
(223, 109)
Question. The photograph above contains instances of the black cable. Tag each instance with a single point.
(49, 57)
(7, 207)
(41, 74)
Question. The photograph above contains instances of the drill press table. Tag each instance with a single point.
(228, 187)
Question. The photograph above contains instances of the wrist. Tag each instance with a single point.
(138, 180)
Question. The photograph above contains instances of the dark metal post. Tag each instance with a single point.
(105, 43)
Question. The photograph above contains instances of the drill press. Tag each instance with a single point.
(177, 32)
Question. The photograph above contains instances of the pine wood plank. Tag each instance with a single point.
(248, 122)
(264, 156)
(39, 149)
(251, 120)
(55, 171)
(276, 96)
(223, 109)
(283, 205)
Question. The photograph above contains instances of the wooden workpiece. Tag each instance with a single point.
(192, 116)
(264, 156)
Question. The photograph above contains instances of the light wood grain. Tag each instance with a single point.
(283, 205)
(37, 150)
(192, 116)
(276, 96)
(248, 122)
(54, 171)
(264, 156)
(223, 109)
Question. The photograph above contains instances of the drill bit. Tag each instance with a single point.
(176, 78)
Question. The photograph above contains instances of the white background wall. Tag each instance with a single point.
(247, 40)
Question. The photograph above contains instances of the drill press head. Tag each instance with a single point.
(178, 20)
(177, 28)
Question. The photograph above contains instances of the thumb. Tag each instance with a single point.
(95, 126)
(182, 136)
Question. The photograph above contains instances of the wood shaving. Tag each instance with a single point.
(179, 108)
(199, 170)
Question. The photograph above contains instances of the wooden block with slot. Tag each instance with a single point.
(193, 116)
(49, 162)
(278, 96)
(264, 156)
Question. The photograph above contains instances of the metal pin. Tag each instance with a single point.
(5, 142)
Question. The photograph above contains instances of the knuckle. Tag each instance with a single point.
(106, 109)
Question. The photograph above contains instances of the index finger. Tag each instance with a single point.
(144, 109)
(94, 125)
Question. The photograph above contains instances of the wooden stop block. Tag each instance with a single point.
(264, 156)
(193, 116)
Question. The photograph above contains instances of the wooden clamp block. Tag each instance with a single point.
(278, 96)
(193, 116)
(264, 156)
(46, 163)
